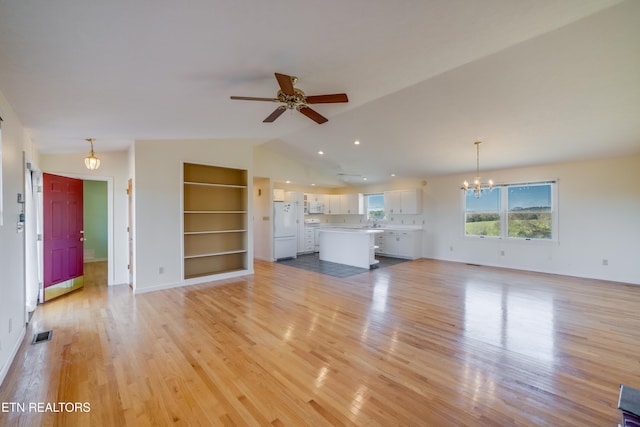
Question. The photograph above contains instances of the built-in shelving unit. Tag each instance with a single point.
(215, 220)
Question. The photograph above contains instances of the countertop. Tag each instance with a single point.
(364, 227)
(351, 230)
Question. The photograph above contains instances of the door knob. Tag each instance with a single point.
(82, 239)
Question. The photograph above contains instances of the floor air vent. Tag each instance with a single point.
(41, 337)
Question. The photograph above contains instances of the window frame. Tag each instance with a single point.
(504, 213)
(464, 215)
(366, 207)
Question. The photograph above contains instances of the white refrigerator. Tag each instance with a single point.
(285, 227)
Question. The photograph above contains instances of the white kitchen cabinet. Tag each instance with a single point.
(352, 204)
(403, 201)
(332, 204)
(278, 195)
(401, 243)
(392, 202)
(312, 197)
(353, 247)
(391, 242)
(344, 204)
(309, 239)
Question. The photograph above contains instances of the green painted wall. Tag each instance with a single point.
(95, 220)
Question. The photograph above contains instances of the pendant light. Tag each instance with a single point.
(91, 161)
(477, 185)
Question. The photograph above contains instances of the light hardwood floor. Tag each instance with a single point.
(422, 343)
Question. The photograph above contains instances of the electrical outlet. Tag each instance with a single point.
(501, 253)
(10, 324)
(605, 261)
(161, 270)
(451, 248)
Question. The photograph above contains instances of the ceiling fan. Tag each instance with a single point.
(294, 98)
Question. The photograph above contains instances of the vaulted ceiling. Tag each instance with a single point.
(537, 81)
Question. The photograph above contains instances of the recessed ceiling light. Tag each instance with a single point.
(288, 182)
(393, 174)
(321, 152)
(364, 178)
(313, 185)
(356, 142)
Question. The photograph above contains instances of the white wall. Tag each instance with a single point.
(266, 163)
(599, 212)
(12, 263)
(158, 202)
(262, 213)
(113, 164)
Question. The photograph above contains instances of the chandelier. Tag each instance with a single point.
(91, 161)
(477, 185)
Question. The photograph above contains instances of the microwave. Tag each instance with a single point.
(315, 207)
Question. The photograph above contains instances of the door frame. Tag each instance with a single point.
(110, 231)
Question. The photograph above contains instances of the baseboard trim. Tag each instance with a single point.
(195, 281)
(86, 261)
(12, 355)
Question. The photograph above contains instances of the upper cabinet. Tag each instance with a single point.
(332, 204)
(344, 204)
(352, 204)
(403, 201)
(278, 195)
(320, 198)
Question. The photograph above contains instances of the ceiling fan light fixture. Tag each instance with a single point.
(478, 185)
(91, 161)
(293, 98)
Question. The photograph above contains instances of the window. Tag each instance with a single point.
(482, 215)
(517, 211)
(375, 207)
(529, 211)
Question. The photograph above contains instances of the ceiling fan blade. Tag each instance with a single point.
(286, 83)
(313, 115)
(273, 116)
(251, 98)
(327, 99)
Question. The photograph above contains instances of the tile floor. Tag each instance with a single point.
(312, 262)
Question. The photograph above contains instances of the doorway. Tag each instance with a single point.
(109, 220)
(96, 225)
(63, 238)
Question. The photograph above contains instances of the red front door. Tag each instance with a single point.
(63, 235)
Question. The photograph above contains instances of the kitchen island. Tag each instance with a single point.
(349, 246)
